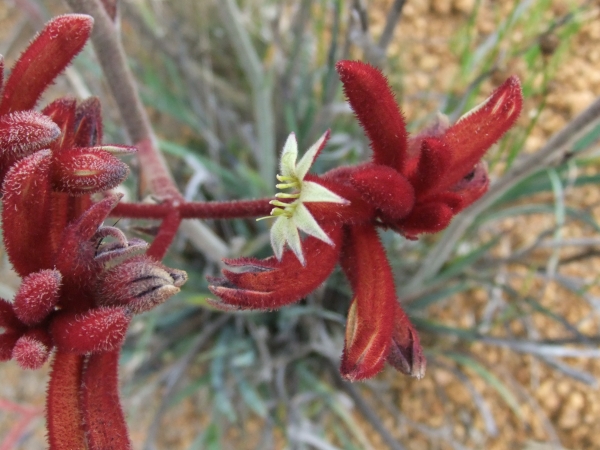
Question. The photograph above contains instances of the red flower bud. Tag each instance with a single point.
(140, 284)
(37, 296)
(23, 132)
(406, 354)
(32, 349)
(99, 330)
(81, 171)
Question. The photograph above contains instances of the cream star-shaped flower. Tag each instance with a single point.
(294, 216)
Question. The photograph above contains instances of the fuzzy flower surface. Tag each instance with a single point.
(294, 216)
(412, 185)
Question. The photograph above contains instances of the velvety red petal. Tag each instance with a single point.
(371, 315)
(274, 284)
(473, 135)
(99, 330)
(434, 159)
(386, 189)
(37, 296)
(426, 218)
(47, 56)
(27, 213)
(374, 104)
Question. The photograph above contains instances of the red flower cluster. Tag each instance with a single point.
(82, 281)
(413, 185)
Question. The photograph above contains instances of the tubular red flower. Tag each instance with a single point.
(413, 186)
(47, 56)
(370, 324)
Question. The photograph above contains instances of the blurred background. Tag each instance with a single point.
(506, 300)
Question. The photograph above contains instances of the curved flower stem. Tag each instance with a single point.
(104, 420)
(166, 234)
(63, 412)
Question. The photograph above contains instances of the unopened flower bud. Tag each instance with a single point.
(99, 330)
(32, 349)
(140, 284)
(86, 170)
(37, 296)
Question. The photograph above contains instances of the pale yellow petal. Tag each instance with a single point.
(307, 223)
(278, 236)
(287, 164)
(309, 157)
(314, 192)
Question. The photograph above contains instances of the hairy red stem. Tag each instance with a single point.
(63, 412)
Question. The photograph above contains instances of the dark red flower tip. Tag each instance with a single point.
(98, 330)
(37, 296)
(374, 104)
(406, 354)
(80, 171)
(46, 57)
(32, 349)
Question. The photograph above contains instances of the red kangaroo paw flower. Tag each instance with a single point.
(98, 330)
(47, 56)
(406, 354)
(271, 284)
(140, 284)
(103, 418)
(24, 132)
(37, 296)
(371, 315)
(8, 339)
(375, 107)
(80, 171)
(434, 158)
(27, 212)
(63, 412)
(384, 187)
(32, 349)
(475, 132)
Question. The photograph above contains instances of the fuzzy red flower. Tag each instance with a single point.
(82, 281)
(413, 185)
